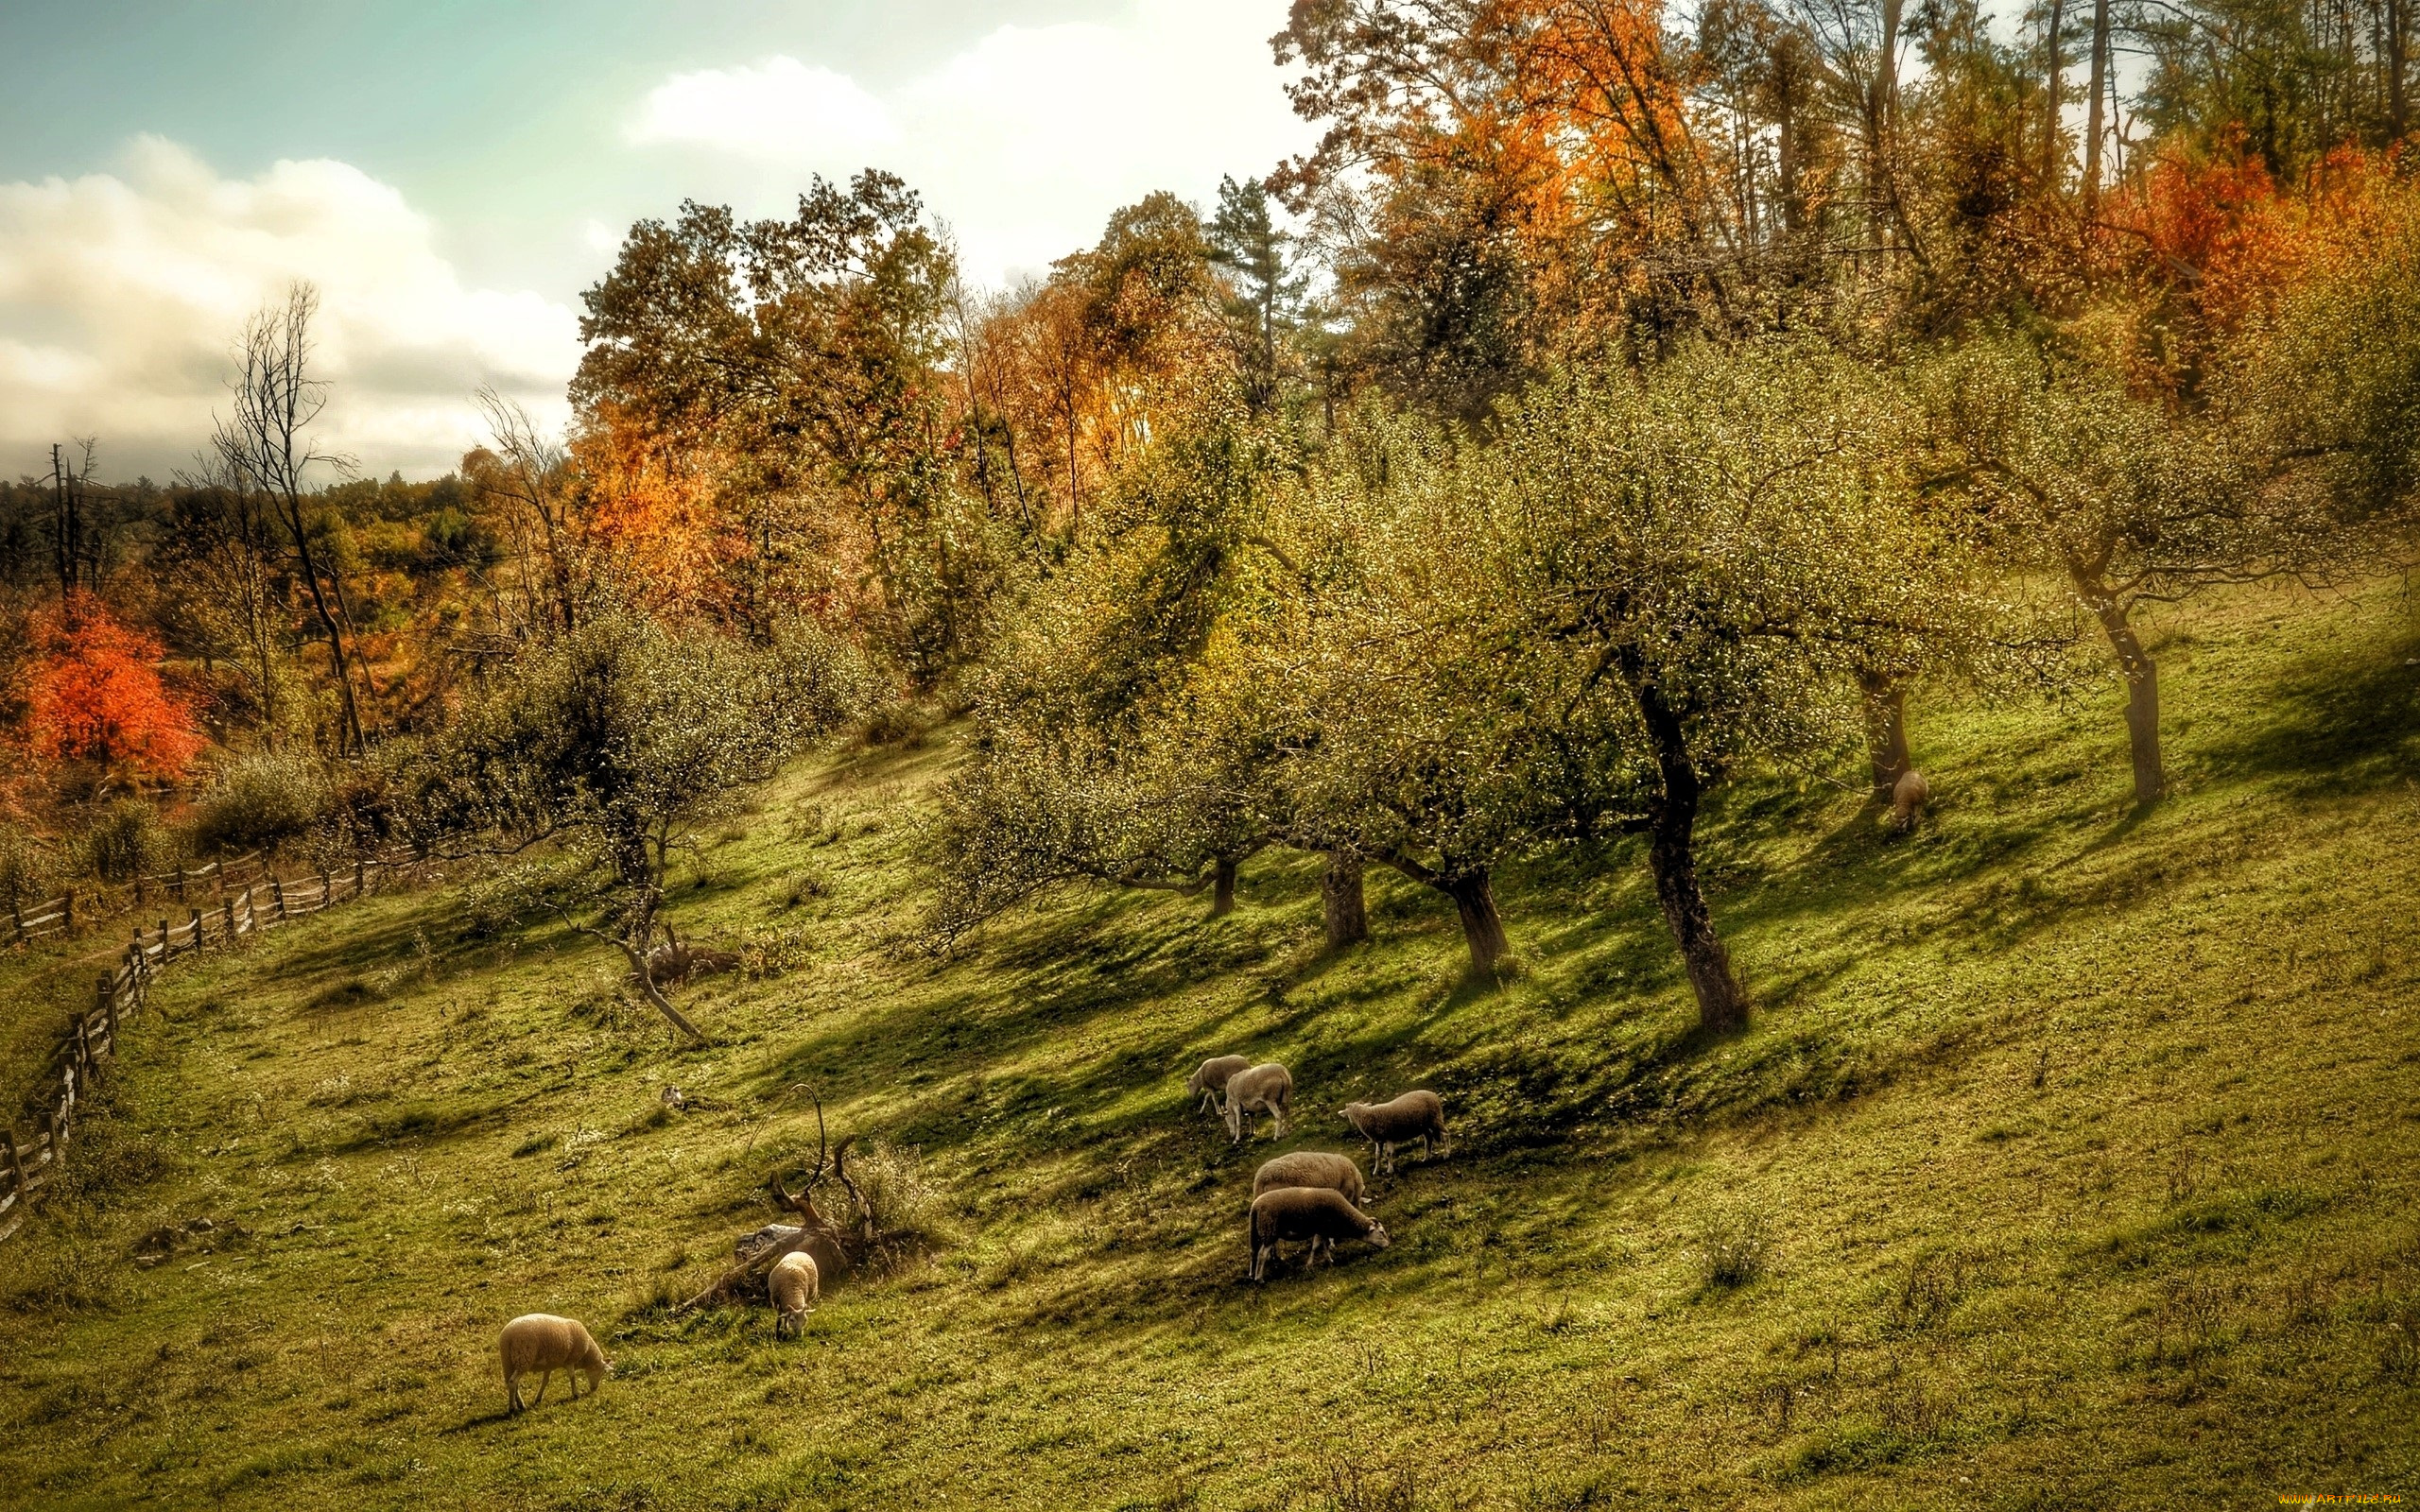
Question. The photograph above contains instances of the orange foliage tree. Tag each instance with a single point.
(93, 693)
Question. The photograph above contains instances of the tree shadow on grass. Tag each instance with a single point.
(2337, 725)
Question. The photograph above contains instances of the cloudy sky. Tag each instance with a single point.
(452, 174)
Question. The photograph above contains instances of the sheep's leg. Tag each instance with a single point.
(542, 1382)
(511, 1395)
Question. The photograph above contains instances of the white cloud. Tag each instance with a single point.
(121, 295)
(776, 108)
(1026, 141)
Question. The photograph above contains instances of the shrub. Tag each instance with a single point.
(261, 799)
(903, 1204)
(30, 872)
(127, 840)
(503, 901)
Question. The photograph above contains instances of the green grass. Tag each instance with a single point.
(2069, 1162)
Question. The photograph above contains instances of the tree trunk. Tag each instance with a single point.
(1223, 889)
(2092, 111)
(2142, 687)
(2057, 89)
(1882, 196)
(1886, 731)
(2395, 117)
(1482, 926)
(347, 705)
(1671, 855)
(1347, 910)
(1722, 1003)
(662, 1005)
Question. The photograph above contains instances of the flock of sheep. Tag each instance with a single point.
(1310, 1194)
(1306, 1196)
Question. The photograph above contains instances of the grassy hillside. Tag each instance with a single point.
(2072, 1155)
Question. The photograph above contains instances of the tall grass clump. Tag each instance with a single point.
(1734, 1248)
(899, 1200)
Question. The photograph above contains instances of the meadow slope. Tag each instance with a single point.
(2077, 1146)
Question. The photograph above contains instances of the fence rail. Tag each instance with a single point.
(88, 905)
(90, 1043)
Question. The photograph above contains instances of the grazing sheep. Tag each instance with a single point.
(543, 1342)
(794, 1283)
(674, 1100)
(1265, 1088)
(1211, 1079)
(1316, 1213)
(1309, 1168)
(1909, 797)
(1415, 1115)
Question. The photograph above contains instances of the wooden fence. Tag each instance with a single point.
(88, 905)
(28, 1165)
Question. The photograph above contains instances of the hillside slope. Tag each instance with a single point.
(2072, 1151)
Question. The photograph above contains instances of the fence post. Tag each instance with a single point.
(17, 915)
(197, 931)
(67, 916)
(325, 895)
(277, 894)
(360, 876)
(109, 1009)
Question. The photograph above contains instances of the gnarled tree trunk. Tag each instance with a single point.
(2142, 686)
(1474, 906)
(1223, 887)
(1671, 855)
(1886, 731)
(1482, 926)
(1340, 896)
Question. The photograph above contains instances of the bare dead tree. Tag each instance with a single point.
(834, 1248)
(221, 552)
(264, 443)
(527, 474)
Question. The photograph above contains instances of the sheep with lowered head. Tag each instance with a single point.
(795, 1284)
(1211, 1080)
(543, 1343)
(1316, 1213)
(1908, 796)
(1416, 1115)
(1264, 1088)
(1309, 1168)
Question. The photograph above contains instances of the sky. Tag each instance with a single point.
(451, 175)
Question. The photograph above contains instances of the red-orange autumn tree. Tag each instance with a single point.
(93, 693)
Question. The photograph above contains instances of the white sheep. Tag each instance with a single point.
(1908, 796)
(795, 1284)
(543, 1342)
(1264, 1088)
(1309, 1168)
(1316, 1213)
(1416, 1115)
(1211, 1080)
